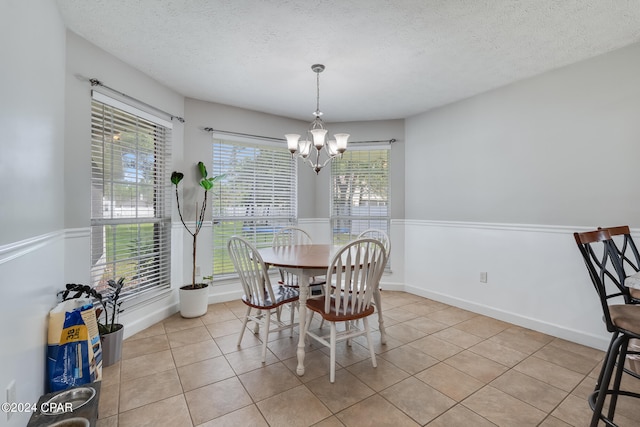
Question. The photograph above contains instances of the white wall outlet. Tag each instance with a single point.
(483, 277)
(11, 396)
(197, 270)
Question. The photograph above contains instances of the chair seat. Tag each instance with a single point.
(635, 293)
(317, 305)
(282, 295)
(626, 316)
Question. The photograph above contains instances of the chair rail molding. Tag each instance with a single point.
(21, 248)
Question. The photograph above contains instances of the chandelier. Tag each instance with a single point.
(317, 135)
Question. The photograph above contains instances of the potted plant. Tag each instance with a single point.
(194, 297)
(111, 332)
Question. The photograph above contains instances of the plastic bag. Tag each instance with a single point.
(74, 353)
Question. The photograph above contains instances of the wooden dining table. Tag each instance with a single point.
(307, 261)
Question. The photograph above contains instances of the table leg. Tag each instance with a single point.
(378, 300)
(302, 319)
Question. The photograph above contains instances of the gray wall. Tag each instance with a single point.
(560, 148)
(32, 51)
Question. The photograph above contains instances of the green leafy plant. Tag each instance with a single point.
(109, 300)
(206, 183)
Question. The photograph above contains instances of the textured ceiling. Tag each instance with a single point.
(384, 59)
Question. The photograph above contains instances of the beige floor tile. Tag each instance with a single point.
(228, 327)
(424, 308)
(347, 390)
(534, 392)
(229, 343)
(111, 374)
(482, 326)
(316, 364)
(417, 399)
(456, 336)
(574, 411)
(404, 333)
(329, 422)
(205, 372)
(424, 359)
(188, 336)
(477, 366)
(399, 314)
(568, 359)
(217, 313)
(498, 353)
(135, 348)
(249, 359)
(146, 364)
(522, 339)
(294, 407)
(107, 422)
(378, 347)
(584, 351)
(217, 399)
(450, 381)
(197, 352)
(503, 409)
(269, 381)
(171, 412)
(151, 331)
(109, 399)
(345, 355)
(248, 416)
(374, 411)
(149, 389)
(379, 378)
(283, 348)
(451, 316)
(549, 373)
(435, 347)
(177, 323)
(585, 388)
(409, 359)
(553, 422)
(460, 416)
(426, 325)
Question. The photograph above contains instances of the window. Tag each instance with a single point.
(359, 192)
(258, 196)
(130, 198)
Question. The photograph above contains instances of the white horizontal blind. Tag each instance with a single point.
(258, 196)
(359, 193)
(130, 200)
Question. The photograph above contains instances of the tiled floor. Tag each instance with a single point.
(441, 366)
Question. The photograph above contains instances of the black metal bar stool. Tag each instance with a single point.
(602, 259)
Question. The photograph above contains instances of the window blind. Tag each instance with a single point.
(359, 193)
(130, 199)
(257, 197)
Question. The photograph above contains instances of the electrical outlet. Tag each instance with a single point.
(11, 396)
(483, 277)
(197, 270)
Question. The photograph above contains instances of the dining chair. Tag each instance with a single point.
(604, 264)
(629, 256)
(383, 237)
(296, 236)
(353, 277)
(374, 233)
(259, 294)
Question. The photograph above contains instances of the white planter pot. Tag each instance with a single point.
(194, 302)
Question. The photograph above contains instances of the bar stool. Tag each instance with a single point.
(603, 262)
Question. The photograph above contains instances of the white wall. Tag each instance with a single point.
(32, 46)
(498, 183)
